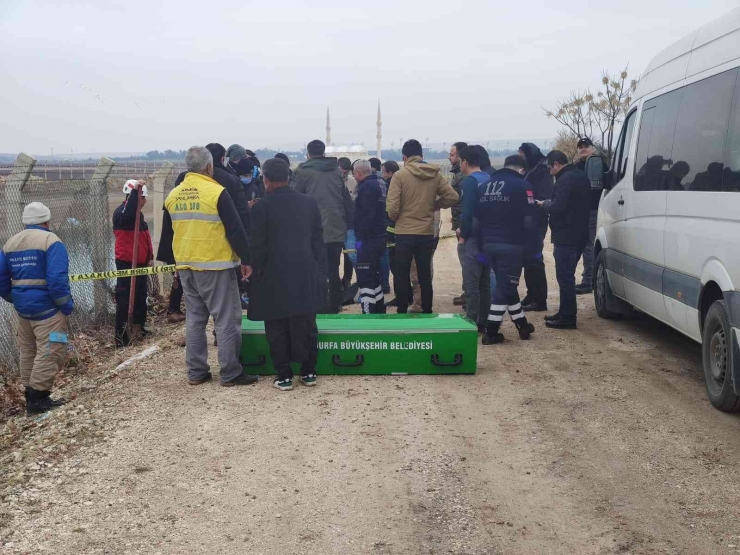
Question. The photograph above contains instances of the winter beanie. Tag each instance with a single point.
(235, 153)
(36, 213)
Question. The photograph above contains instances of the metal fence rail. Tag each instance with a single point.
(81, 202)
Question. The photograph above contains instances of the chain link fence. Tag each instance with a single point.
(82, 200)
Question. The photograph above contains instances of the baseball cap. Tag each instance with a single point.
(584, 141)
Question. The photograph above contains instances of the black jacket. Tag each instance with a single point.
(370, 209)
(287, 243)
(538, 176)
(233, 185)
(595, 193)
(570, 207)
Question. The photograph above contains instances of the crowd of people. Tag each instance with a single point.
(261, 237)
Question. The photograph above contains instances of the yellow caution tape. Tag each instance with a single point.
(144, 271)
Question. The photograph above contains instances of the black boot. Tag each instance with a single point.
(38, 402)
(555, 316)
(493, 336)
(524, 328)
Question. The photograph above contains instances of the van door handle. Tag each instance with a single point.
(620, 202)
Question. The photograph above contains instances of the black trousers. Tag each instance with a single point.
(421, 249)
(534, 267)
(329, 276)
(369, 280)
(394, 270)
(175, 296)
(348, 270)
(123, 291)
(293, 340)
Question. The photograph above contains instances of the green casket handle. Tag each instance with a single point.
(458, 361)
(359, 361)
(261, 361)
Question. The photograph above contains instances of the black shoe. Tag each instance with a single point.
(207, 378)
(39, 402)
(552, 317)
(526, 300)
(244, 379)
(561, 324)
(392, 302)
(583, 289)
(534, 307)
(492, 339)
(525, 329)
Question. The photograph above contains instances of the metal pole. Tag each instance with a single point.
(132, 289)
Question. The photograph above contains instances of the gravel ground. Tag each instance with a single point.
(599, 440)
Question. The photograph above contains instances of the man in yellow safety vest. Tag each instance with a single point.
(207, 241)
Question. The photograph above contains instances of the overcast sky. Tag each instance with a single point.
(135, 75)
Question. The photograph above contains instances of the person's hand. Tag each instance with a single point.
(246, 272)
(252, 203)
(460, 240)
(539, 203)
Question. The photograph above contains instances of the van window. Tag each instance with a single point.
(731, 174)
(655, 142)
(621, 153)
(701, 134)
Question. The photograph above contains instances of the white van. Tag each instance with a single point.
(668, 238)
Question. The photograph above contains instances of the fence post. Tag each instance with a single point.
(14, 190)
(160, 182)
(99, 224)
(17, 180)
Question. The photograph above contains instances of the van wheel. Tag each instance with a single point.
(717, 359)
(602, 291)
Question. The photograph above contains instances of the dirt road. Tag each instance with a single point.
(594, 441)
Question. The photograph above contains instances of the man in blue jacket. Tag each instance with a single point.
(34, 278)
(476, 271)
(505, 213)
(370, 235)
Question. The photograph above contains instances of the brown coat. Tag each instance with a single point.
(414, 193)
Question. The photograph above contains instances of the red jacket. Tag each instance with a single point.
(124, 220)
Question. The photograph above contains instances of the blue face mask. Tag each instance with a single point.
(246, 180)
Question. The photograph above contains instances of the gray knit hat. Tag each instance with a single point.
(236, 153)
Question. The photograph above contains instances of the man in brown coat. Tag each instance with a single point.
(415, 192)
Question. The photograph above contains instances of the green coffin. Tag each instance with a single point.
(395, 344)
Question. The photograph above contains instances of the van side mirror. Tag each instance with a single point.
(595, 172)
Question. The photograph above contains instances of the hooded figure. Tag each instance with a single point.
(538, 176)
(536, 172)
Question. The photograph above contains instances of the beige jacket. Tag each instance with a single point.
(416, 190)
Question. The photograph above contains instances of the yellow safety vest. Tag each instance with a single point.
(199, 235)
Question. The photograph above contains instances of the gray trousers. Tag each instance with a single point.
(460, 256)
(476, 283)
(588, 252)
(212, 293)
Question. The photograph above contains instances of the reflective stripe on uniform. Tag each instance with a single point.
(22, 282)
(32, 316)
(208, 265)
(181, 216)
